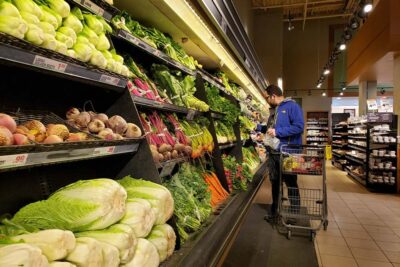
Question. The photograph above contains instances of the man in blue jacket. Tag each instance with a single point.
(287, 124)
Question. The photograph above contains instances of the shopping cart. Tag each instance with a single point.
(303, 208)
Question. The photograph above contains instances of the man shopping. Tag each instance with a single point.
(285, 127)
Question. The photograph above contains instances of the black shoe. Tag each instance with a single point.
(271, 218)
(291, 221)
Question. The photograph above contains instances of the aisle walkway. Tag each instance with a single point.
(364, 228)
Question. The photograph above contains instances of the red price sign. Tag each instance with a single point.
(13, 160)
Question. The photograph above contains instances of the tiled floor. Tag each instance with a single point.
(364, 227)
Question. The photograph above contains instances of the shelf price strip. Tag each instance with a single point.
(50, 64)
(13, 160)
(100, 151)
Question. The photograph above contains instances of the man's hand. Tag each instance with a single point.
(271, 132)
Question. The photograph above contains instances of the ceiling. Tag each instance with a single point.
(302, 10)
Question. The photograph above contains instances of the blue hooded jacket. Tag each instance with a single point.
(289, 122)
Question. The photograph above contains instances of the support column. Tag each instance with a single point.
(396, 87)
(367, 90)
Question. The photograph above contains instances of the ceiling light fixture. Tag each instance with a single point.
(327, 71)
(290, 26)
(323, 94)
(319, 85)
(344, 88)
(347, 34)
(367, 6)
(354, 23)
(341, 93)
(342, 46)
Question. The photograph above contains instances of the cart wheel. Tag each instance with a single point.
(289, 234)
(312, 236)
(325, 225)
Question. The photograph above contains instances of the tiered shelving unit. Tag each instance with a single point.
(339, 145)
(317, 128)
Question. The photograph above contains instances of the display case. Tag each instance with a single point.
(317, 127)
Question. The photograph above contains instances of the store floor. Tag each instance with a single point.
(364, 228)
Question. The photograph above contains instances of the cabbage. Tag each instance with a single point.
(8, 9)
(93, 23)
(61, 48)
(71, 53)
(59, 6)
(47, 16)
(28, 6)
(110, 255)
(73, 22)
(22, 255)
(82, 39)
(61, 264)
(87, 253)
(68, 32)
(103, 43)
(139, 216)
(111, 64)
(120, 236)
(29, 18)
(83, 205)
(125, 71)
(98, 59)
(163, 238)
(14, 26)
(118, 67)
(34, 34)
(83, 51)
(107, 54)
(47, 28)
(159, 196)
(90, 35)
(55, 244)
(117, 57)
(49, 42)
(64, 39)
(77, 13)
(106, 26)
(146, 255)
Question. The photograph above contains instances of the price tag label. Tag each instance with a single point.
(49, 64)
(132, 38)
(109, 79)
(13, 160)
(92, 6)
(108, 150)
(191, 114)
(167, 169)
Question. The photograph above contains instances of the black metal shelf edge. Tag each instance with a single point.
(355, 159)
(356, 147)
(358, 179)
(60, 68)
(208, 246)
(137, 42)
(212, 80)
(104, 9)
(226, 145)
(172, 161)
(34, 159)
(141, 101)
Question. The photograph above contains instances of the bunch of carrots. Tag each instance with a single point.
(218, 193)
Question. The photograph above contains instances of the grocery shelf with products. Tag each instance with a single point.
(317, 127)
(339, 139)
(140, 113)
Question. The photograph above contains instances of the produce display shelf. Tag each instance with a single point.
(58, 67)
(226, 145)
(357, 178)
(339, 145)
(212, 80)
(145, 102)
(357, 147)
(338, 154)
(137, 42)
(98, 7)
(207, 246)
(356, 159)
(27, 160)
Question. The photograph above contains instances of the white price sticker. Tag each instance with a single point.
(132, 39)
(109, 79)
(92, 6)
(104, 150)
(49, 64)
(13, 160)
(167, 169)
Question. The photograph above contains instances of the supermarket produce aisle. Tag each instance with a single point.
(364, 227)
